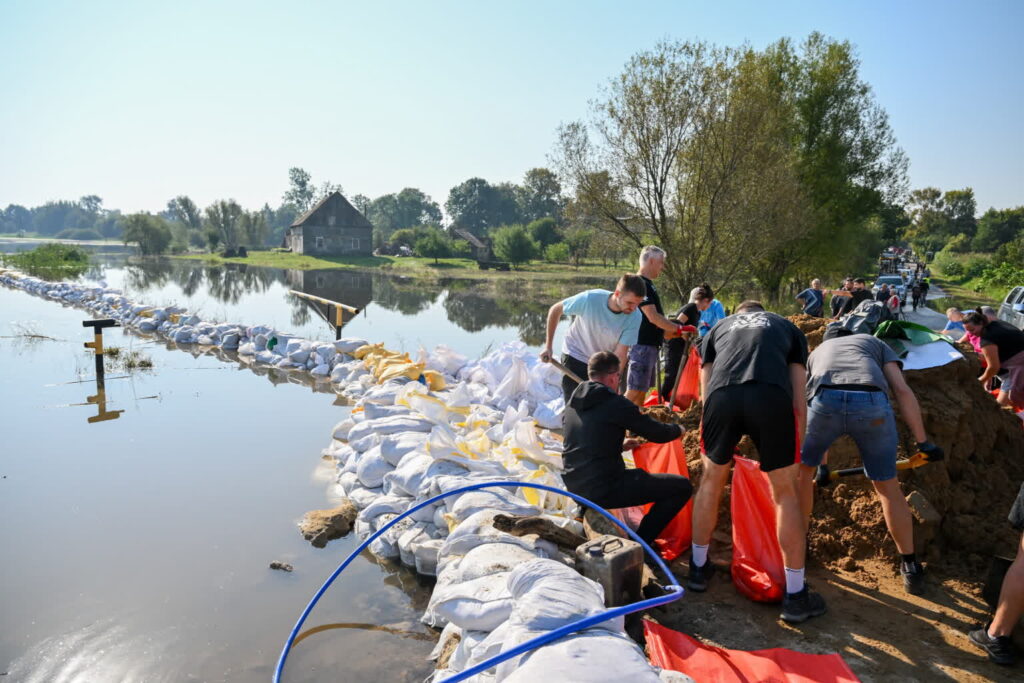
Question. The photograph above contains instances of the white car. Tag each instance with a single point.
(893, 281)
(1012, 308)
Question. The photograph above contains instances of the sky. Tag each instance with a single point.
(138, 102)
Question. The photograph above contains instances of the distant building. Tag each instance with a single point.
(333, 227)
(481, 251)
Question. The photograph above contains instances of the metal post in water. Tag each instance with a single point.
(100, 398)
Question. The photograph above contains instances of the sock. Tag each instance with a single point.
(700, 555)
(909, 559)
(794, 580)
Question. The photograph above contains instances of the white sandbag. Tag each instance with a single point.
(548, 414)
(585, 657)
(446, 360)
(425, 514)
(362, 496)
(394, 447)
(472, 451)
(479, 605)
(372, 468)
(409, 540)
(384, 504)
(321, 370)
(374, 411)
(426, 554)
(492, 558)
(416, 470)
(477, 530)
(383, 394)
(349, 344)
(386, 545)
(464, 650)
(348, 481)
(496, 499)
(364, 443)
(449, 632)
(390, 425)
(549, 595)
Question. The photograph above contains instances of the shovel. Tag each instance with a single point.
(823, 476)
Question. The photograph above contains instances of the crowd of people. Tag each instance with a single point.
(757, 379)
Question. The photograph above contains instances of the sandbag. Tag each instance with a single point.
(674, 650)
(591, 656)
(383, 504)
(757, 568)
(349, 344)
(426, 556)
(374, 411)
(478, 530)
(492, 558)
(479, 605)
(372, 468)
(668, 458)
(394, 447)
(496, 499)
(389, 425)
(688, 389)
(548, 595)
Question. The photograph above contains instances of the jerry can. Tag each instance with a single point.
(615, 563)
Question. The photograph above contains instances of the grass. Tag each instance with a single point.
(463, 267)
(117, 358)
(50, 261)
(966, 292)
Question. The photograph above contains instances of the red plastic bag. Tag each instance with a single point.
(688, 389)
(757, 568)
(668, 458)
(677, 651)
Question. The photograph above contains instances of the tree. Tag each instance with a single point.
(960, 208)
(997, 227)
(433, 244)
(478, 206)
(544, 231)
(151, 233)
(252, 226)
(406, 209)
(513, 243)
(578, 241)
(362, 203)
(17, 218)
(326, 188)
(930, 226)
(300, 189)
(540, 195)
(223, 218)
(91, 204)
(183, 210)
(557, 253)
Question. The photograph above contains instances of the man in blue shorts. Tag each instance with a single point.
(849, 377)
(603, 321)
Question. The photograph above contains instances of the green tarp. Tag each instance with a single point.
(898, 333)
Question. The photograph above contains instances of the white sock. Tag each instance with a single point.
(794, 580)
(700, 555)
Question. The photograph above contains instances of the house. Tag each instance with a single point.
(481, 251)
(333, 227)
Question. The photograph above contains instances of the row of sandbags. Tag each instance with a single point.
(405, 444)
(506, 377)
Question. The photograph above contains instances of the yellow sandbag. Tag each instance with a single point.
(386, 363)
(362, 351)
(410, 370)
(435, 380)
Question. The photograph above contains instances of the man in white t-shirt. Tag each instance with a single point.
(604, 321)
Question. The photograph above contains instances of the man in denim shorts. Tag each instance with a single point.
(848, 380)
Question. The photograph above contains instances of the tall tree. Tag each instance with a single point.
(407, 209)
(252, 226)
(17, 218)
(540, 195)
(91, 204)
(930, 226)
(998, 227)
(477, 206)
(961, 207)
(223, 218)
(183, 210)
(151, 233)
(300, 189)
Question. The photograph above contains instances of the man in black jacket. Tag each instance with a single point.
(595, 423)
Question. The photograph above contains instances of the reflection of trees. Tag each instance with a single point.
(408, 296)
(513, 303)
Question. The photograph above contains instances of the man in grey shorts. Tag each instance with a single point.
(643, 356)
(848, 380)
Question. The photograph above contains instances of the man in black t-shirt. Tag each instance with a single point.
(643, 356)
(752, 379)
(859, 293)
(700, 299)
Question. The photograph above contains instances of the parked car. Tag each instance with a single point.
(1012, 308)
(894, 281)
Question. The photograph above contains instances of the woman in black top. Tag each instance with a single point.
(1002, 346)
(700, 298)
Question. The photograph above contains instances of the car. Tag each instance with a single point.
(893, 281)
(1012, 308)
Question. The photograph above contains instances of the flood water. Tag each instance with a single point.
(137, 548)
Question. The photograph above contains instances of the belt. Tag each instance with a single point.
(850, 387)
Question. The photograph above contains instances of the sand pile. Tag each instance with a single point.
(972, 489)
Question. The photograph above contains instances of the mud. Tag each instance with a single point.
(320, 526)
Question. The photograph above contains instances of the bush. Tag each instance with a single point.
(433, 244)
(958, 244)
(1003, 275)
(557, 253)
(975, 266)
(79, 234)
(544, 231)
(513, 243)
(50, 261)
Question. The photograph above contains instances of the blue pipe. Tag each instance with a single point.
(675, 591)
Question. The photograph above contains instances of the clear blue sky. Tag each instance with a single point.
(138, 102)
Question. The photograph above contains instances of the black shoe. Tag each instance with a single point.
(913, 577)
(799, 607)
(999, 649)
(698, 579)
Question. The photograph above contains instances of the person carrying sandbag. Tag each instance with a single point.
(752, 378)
(849, 377)
(596, 420)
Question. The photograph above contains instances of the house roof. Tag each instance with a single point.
(347, 215)
(473, 240)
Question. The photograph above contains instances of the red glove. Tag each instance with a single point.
(687, 328)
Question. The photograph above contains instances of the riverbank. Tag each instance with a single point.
(412, 265)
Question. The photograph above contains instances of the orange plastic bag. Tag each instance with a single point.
(688, 389)
(757, 568)
(668, 458)
(679, 652)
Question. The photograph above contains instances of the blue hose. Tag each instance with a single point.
(675, 591)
